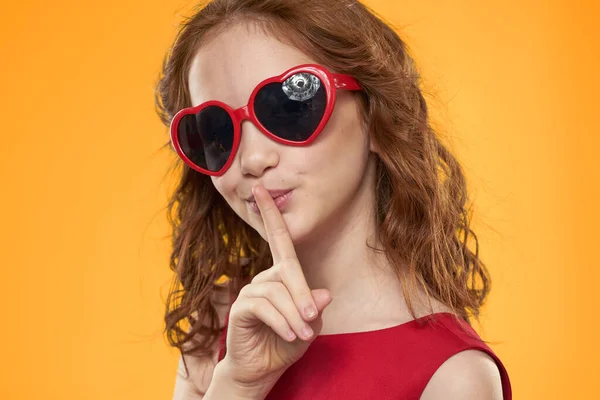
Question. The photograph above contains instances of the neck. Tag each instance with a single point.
(365, 288)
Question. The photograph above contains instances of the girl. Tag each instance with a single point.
(320, 227)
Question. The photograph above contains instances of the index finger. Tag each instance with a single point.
(278, 235)
(282, 249)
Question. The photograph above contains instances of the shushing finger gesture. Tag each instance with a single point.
(276, 317)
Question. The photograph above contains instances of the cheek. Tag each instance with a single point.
(225, 187)
(344, 146)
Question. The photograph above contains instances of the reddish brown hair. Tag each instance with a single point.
(421, 191)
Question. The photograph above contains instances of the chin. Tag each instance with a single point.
(297, 228)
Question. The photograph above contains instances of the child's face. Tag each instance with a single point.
(329, 177)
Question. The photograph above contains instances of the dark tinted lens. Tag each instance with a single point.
(293, 109)
(206, 137)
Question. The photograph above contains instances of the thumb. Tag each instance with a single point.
(322, 298)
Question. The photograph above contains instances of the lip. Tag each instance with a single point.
(281, 198)
(273, 193)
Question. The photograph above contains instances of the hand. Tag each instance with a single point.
(267, 322)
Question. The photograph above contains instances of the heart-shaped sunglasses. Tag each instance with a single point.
(292, 108)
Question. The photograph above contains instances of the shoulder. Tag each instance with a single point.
(469, 374)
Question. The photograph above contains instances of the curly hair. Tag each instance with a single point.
(421, 194)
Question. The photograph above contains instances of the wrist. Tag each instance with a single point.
(224, 386)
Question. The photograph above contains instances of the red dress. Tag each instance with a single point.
(390, 363)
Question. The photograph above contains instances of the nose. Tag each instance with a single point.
(257, 153)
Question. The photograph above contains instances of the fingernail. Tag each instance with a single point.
(310, 312)
(307, 332)
(291, 335)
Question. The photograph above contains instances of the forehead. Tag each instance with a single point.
(231, 64)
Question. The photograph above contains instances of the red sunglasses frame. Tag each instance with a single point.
(330, 82)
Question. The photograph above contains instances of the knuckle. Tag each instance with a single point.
(260, 277)
(256, 278)
(270, 290)
(305, 299)
(286, 264)
(244, 290)
(279, 230)
(253, 305)
(268, 209)
(268, 275)
(275, 270)
(234, 312)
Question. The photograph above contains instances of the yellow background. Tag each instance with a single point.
(83, 251)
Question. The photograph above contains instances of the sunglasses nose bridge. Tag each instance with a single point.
(242, 114)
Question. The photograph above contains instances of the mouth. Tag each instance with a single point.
(280, 197)
(274, 194)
